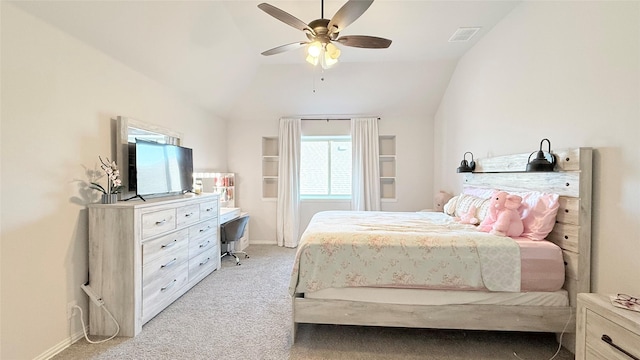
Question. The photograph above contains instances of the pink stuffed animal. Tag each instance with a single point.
(503, 218)
(469, 217)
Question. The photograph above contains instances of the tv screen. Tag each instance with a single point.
(162, 168)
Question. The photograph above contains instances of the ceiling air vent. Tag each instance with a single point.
(463, 34)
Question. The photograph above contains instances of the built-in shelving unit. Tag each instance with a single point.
(387, 157)
(269, 167)
(224, 184)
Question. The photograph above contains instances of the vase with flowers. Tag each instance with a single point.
(114, 184)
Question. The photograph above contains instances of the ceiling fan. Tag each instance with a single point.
(322, 33)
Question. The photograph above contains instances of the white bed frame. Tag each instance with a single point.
(572, 232)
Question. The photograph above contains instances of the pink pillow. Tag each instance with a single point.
(538, 213)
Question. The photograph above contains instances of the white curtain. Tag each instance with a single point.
(365, 194)
(288, 215)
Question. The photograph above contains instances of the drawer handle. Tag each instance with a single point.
(188, 215)
(161, 222)
(169, 286)
(205, 229)
(166, 246)
(169, 263)
(606, 338)
(204, 244)
(204, 262)
(209, 209)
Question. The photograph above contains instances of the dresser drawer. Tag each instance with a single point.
(152, 249)
(158, 222)
(188, 215)
(203, 263)
(208, 210)
(164, 265)
(206, 228)
(158, 293)
(597, 326)
(590, 354)
(202, 243)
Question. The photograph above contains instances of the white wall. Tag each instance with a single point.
(570, 72)
(349, 89)
(58, 98)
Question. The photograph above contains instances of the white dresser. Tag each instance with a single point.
(605, 332)
(144, 255)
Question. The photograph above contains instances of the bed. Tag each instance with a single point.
(333, 291)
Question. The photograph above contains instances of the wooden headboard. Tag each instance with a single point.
(572, 180)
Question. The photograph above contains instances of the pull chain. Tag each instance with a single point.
(314, 79)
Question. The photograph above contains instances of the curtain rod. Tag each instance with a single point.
(327, 119)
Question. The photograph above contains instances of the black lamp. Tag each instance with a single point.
(540, 163)
(466, 166)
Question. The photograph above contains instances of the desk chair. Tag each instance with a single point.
(232, 231)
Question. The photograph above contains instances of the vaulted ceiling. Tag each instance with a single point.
(210, 50)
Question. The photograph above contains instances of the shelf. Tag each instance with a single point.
(269, 187)
(387, 145)
(270, 146)
(387, 163)
(387, 168)
(270, 166)
(270, 160)
(224, 185)
(387, 188)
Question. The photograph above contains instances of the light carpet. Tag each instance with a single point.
(244, 312)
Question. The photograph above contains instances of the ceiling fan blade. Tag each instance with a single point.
(347, 14)
(363, 41)
(283, 48)
(285, 17)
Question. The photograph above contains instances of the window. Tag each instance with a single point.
(325, 167)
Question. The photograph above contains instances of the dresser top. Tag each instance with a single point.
(604, 302)
(164, 200)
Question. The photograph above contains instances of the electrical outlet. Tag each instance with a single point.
(71, 311)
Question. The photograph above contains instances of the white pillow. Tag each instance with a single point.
(460, 204)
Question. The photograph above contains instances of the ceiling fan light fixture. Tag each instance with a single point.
(326, 54)
(327, 61)
(332, 51)
(314, 49)
(313, 60)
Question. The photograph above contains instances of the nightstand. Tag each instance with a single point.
(605, 331)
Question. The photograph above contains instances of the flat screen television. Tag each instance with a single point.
(161, 169)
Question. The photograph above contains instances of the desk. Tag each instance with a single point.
(228, 214)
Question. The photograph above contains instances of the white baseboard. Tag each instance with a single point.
(262, 242)
(62, 345)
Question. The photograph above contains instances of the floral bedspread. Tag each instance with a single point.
(402, 249)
